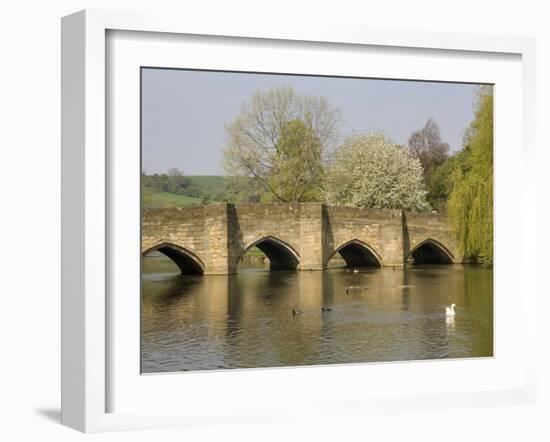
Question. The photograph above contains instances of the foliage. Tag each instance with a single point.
(174, 181)
(146, 193)
(157, 190)
(439, 183)
(214, 183)
(470, 204)
(371, 171)
(298, 170)
(243, 190)
(427, 146)
(277, 136)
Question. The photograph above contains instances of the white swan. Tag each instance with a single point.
(450, 311)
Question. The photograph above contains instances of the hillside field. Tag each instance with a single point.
(209, 184)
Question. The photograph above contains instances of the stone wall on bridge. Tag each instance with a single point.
(184, 226)
(380, 229)
(420, 227)
(306, 236)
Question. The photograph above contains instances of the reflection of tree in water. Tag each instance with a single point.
(261, 295)
(406, 288)
(478, 297)
(433, 337)
(245, 320)
(165, 301)
(261, 301)
(171, 290)
(467, 334)
(234, 309)
(328, 319)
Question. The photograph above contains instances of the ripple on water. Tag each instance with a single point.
(245, 320)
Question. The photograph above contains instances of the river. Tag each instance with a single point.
(247, 320)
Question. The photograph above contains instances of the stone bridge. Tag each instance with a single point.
(211, 239)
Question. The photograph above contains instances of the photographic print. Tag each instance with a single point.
(294, 220)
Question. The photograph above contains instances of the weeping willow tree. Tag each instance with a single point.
(470, 204)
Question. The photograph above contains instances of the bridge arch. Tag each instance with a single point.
(431, 251)
(357, 253)
(282, 256)
(187, 261)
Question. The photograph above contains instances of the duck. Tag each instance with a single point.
(296, 312)
(450, 311)
(326, 309)
(355, 271)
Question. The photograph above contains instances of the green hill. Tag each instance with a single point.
(167, 199)
(205, 185)
(162, 190)
(212, 183)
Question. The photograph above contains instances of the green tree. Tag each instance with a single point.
(146, 192)
(439, 183)
(372, 171)
(280, 139)
(427, 146)
(240, 189)
(470, 204)
(177, 182)
(298, 171)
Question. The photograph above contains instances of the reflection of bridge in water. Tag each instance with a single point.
(211, 239)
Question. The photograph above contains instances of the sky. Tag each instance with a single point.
(184, 112)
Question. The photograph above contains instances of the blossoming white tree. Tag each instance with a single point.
(372, 171)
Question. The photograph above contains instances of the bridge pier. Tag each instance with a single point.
(313, 254)
(219, 241)
(391, 235)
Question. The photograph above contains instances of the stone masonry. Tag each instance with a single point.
(296, 235)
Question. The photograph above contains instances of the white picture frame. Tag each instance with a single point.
(87, 207)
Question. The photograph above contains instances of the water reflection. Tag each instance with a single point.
(450, 323)
(246, 320)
